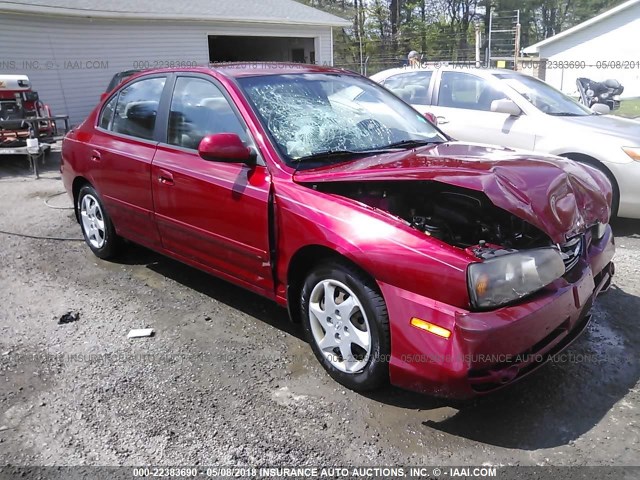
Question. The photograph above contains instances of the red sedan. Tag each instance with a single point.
(439, 266)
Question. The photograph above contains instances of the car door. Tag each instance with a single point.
(212, 213)
(463, 108)
(121, 150)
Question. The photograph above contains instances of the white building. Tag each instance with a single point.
(607, 46)
(70, 49)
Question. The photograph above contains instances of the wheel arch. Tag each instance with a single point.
(301, 263)
(77, 184)
(595, 163)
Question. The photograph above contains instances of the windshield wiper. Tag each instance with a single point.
(567, 114)
(339, 154)
(328, 154)
(410, 143)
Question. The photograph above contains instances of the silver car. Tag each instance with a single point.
(511, 109)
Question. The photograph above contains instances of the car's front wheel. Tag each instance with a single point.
(97, 228)
(347, 325)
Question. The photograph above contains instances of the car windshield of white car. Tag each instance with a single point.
(543, 96)
(331, 117)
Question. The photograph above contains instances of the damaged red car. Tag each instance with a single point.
(442, 267)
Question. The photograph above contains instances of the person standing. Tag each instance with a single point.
(414, 59)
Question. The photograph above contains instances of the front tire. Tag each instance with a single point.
(97, 227)
(346, 323)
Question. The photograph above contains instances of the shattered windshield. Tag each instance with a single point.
(310, 115)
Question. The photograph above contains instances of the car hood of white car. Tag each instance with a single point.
(609, 125)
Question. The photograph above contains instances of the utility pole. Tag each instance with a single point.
(489, 40)
(478, 42)
(359, 24)
(517, 52)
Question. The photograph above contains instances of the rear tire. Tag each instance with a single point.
(97, 227)
(346, 323)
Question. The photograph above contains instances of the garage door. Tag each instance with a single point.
(226, 48)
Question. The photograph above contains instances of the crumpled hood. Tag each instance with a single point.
(558, 196)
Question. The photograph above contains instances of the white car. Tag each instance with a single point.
(511, 109)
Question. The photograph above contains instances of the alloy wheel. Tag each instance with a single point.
(339, 326)
(93, 221)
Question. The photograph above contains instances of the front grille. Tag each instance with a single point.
(571, 252)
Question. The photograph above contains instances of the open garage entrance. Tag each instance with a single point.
(227, 48)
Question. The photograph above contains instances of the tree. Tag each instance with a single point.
(441, 29)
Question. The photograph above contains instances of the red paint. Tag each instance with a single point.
(215, 215)
(224, 146)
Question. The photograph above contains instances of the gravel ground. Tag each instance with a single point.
(228, 380)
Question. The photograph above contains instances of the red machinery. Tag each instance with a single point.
(27, 126)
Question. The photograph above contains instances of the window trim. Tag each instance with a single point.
(164, 116)
(108, 131)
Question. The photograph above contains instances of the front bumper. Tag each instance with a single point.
(489, 350)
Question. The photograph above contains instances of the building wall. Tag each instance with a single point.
(71, 60)
(616, 38)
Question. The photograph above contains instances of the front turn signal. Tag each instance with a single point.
(430, 327)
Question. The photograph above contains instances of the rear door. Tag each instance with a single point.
(211, 212)
(463, 107)
(121, 150)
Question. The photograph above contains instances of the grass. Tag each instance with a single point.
(629, 108)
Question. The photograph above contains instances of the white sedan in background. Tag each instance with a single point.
(508, 108)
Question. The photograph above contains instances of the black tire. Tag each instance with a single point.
(106, 244)
(375, 373)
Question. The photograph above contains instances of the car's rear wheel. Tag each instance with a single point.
(347, 325)
(97, 228)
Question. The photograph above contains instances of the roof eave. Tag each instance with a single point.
(535, 48)
(67, 12)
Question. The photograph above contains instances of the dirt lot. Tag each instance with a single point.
(227, 379)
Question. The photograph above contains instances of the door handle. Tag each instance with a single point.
(95, 155)
(165, 178)
(442, 120)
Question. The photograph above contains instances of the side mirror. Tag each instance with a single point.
(431, 117)
(225, 147)
(600, 108)
(506, 106)
(103, 95)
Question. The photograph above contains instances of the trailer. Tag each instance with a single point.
(27, 126)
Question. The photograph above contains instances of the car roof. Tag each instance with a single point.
(483, 72)
(252, 69)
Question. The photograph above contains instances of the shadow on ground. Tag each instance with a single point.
(19, 166)
(626, 227)
(224, 292)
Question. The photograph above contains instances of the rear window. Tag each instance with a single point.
(137, 108)
(412, 87)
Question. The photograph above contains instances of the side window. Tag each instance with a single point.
(107, 113)
(412, 87)
(199, 108)
(137, 108)
(462, 90)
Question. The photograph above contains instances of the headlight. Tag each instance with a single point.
(506, 278)
(633, 152)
